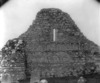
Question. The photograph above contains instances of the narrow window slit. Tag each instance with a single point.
(54, 34)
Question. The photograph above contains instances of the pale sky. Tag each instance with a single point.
(17, 15)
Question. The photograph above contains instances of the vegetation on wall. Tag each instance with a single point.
(13, 59)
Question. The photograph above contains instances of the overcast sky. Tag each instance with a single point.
(17, 15)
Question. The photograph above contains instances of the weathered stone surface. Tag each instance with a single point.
(67, 54)
(71, 54)
(13, 59)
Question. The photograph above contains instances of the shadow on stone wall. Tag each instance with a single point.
(89, 79)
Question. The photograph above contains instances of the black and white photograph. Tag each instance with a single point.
(49, 41)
